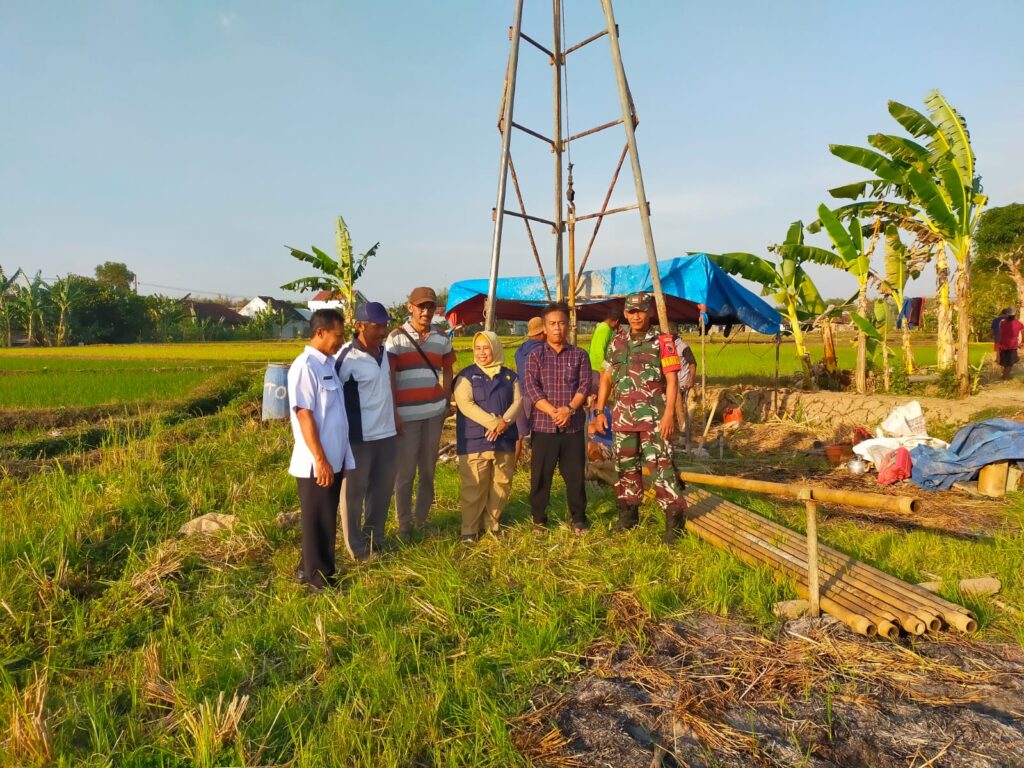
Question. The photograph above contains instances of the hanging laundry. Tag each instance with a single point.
(916, 317)
(904, 314)
(911, 312)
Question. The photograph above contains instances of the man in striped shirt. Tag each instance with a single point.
(421, 379)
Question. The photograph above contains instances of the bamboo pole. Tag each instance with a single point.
(903, 504)
(884, 620)
(918, 601)
(858, 623)
(796, 566)
(900, 612)
(812, 551)
(836, 562)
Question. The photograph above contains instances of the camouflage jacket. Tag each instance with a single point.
(638, 384)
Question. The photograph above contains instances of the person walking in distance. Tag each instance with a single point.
(641, 370)
(487, 396)
(421, 380)
(558, 381)
(534, 338)
(364, 372)
(321, 454)
(1010, 330)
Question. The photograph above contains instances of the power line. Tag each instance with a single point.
(193, 290)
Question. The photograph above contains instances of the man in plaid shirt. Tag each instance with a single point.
(558, 382)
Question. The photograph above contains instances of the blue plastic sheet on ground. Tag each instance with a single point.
(974, 446)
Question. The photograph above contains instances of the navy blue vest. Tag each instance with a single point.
(494, 396)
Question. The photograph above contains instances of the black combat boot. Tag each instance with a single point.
(673, 523)
(629, 516)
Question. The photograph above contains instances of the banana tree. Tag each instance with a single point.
(786, 282)
(6, 310)
(31, 306)
(900, 266)
(64, 295)
(934, 191)
(850, 253)
(339, 275)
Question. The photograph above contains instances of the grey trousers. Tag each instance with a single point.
(417, 451)
(366, 495)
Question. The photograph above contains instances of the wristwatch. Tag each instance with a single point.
(572, 411)
(506, 419)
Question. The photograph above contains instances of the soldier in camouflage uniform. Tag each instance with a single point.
(643, 380)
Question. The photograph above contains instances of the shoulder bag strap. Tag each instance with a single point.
(422, 353)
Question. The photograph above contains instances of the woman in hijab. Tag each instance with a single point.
(488, 401)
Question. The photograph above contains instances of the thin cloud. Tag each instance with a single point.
(227, 20)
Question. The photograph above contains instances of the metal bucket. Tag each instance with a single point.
(275, 392)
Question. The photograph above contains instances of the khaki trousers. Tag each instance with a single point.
(486, 481)
(417, 450)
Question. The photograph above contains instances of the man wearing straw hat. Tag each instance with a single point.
(643, 376)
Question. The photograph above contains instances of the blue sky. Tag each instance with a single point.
(192, 140)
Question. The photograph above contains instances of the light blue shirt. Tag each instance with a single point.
(313, 385)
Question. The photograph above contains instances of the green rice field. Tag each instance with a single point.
(149, 649)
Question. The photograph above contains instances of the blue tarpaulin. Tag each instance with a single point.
(687, 282)
(974, 446)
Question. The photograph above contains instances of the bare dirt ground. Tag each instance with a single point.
(712, 692)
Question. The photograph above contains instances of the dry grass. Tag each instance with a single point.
(212, 726)
(28, 738)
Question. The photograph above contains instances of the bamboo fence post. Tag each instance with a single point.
(813, 594)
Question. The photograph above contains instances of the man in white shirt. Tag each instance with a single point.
(364, 372)
(321, 453)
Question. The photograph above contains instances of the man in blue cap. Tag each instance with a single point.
(364, 373)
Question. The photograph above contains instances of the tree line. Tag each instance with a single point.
(105, 309)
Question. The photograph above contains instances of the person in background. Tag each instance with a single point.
(488, 400)
(642, 374)
(321, 454)
(534, 338)
(687, 379)
(1009, 341)
(421, 381)
(364, 373)
(558, 381)
(603, 334)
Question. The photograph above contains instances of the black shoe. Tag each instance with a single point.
(673, 522)
(629, 517)
(300, 576)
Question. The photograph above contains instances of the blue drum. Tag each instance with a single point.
(275, 392)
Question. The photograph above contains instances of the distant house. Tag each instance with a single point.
(333, 300)
(296, 321)
(214, 313)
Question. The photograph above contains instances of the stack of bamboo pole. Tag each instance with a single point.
(866, 599)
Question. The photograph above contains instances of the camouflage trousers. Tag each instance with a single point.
(639, 451)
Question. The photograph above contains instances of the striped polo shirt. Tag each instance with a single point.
(420, 395)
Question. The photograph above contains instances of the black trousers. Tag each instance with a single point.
(319, 520)
(567, 451)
